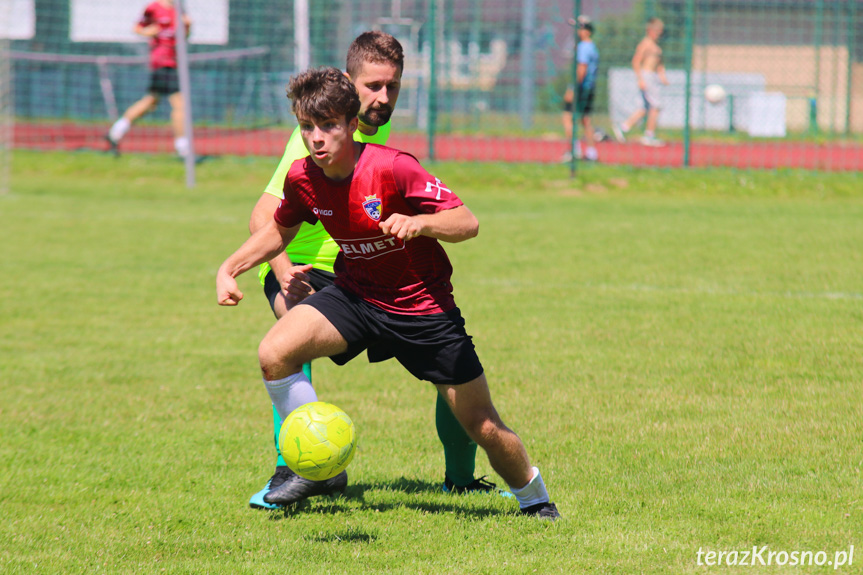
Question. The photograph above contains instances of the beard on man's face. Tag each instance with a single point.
(376, 116)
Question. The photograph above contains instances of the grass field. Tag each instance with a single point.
(681, 352)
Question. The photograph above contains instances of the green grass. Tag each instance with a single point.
(681, 352)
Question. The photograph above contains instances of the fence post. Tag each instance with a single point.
(819, 31)
(573, 161)
(302, 37)
(7, 112)
(850, 23)
(688, 25)
(528, 70)
(432, 80)
(185, 91)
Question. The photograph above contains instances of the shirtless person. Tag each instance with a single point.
(650, 72)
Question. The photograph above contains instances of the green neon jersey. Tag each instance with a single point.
(312, 245)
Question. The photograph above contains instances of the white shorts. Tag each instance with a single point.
(651, 95)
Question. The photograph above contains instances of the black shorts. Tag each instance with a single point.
(318, 278)
(164, 81)
(433, 348)
(585, 101)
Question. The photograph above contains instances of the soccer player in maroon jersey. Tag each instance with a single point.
(158, 23)
(392, 295)
(375, 62)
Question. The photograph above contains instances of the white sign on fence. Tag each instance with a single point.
(114, 20)
(17, 19)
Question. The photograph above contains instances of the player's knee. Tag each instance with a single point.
(273, 364)
(483, 426)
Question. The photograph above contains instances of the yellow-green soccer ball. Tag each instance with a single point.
(318, 440)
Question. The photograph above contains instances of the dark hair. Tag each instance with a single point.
(376, 47)
(322, 93)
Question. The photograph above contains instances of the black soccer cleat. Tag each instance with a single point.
(481, 485)
(113, 147)
(547, 510)
(282, 474)
(297, 488)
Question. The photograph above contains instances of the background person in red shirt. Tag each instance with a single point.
(158, 23)
(392, 296)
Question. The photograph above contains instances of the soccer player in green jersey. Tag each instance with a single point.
(375, 62)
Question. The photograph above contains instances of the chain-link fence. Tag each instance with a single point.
(6, 113)
(483, 80)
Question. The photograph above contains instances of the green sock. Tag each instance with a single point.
(458, 448)
(277, 421)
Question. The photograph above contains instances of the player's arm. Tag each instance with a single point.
(146, 26)
(660, 71)
(440, 214)
(262, 215)
(450, 225)
(637, 60)
(150, 31)
(262, 246)
(263, 211)
(580, 73)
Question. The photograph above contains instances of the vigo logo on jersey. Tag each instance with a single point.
(370, 248)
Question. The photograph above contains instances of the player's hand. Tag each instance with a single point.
(227, 290)
(402, 226)
(642, 85)
(296, 283)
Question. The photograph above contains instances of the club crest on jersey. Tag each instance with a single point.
(372, 206)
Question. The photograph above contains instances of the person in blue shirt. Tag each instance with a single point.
(587, 65)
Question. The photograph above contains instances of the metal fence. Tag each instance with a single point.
(484, 79)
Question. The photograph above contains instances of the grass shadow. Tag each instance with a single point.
(355, 494)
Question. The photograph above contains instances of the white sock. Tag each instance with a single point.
(532, 493)
(624, 127)
(591, 153)
(119, 129)
(648, 133)
(291, 392)
(181, 144)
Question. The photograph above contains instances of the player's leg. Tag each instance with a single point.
(650, 125)
(458, 448)
(651, 97)
(302, 335)
(121, 127)
(566, 121)
(301, 392)
(585, 99)
(634, 118)
(472, 406)
(590, 152)
(171, 85)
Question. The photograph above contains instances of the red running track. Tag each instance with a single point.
(271, 142)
